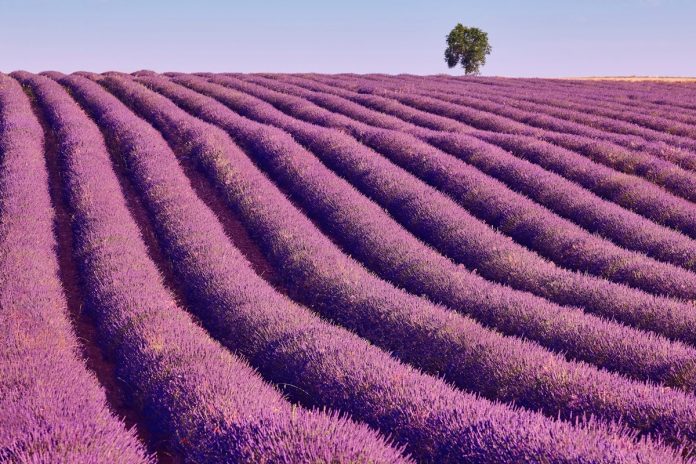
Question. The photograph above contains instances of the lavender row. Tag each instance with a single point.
(555, 96)
(609, 120)
(637, 157)
(425, 335)
(527, 217)
(282, 339)
(440, 221)
(670, 122)
(207, 404)
(563, 197)
(41, 417)
(670, 97)
(645, 115)
(640, 118)
(488, 115)
(638, 92)
(329, 365)
(643, 96)
(631, 192)
(643, 158)
(648, 153)
(614, 100)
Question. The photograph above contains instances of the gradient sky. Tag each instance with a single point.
(549, 38)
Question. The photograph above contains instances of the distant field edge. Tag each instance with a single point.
(631, 78)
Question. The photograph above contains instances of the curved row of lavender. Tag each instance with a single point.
(652, 90)
(329, 282)
(640, 118)
(643, 143)
(423, 110)
(635, 157)
(669, 96)
(635, 112)
(667, 123)
(596, 94)
(453, 231)
(207, 405)
(625, 153)
(631, 154)
(366, 232)
(561, 196)
(629, 110)
(590, 93)
(327, 365)
(41, 417)
(631, 192)
(662, 160)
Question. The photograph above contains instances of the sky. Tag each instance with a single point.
(544, 38)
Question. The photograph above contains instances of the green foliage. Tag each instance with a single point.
(468, 46)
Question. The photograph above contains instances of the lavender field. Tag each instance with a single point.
(313, 268)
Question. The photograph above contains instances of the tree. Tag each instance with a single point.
(468, 46)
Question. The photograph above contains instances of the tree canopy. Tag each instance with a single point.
(467, 46)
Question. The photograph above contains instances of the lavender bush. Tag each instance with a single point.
(316, 272)
(326, 366)
(346, 268)
(630, 192)
(41, 417)
(206, 403)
